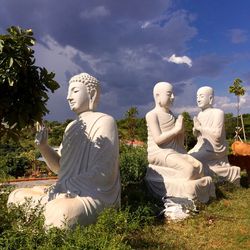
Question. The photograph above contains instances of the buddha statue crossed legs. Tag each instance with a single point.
(86, 163)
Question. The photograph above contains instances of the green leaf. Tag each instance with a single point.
(11, 82)
(1, 46)
(10, 62)
(24, 84)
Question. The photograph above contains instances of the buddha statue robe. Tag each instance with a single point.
(211, 147)
(88, 178)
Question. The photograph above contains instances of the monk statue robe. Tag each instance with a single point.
(86, 163)
(211, 146)
(171, 171)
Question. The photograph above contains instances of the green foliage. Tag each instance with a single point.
(237, 88)
(134, 226)
(141, 130)
(56, 131)
(130, 117)
(230, 124)
(19, 158)
(132, 127)
(190, 140)
(14, 165)
(22, 230)
(246, 119)
(221, 224)
(23, 86)
(133, 164)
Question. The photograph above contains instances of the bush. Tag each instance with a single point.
(133, 164)
(14, 165)
(21, 230)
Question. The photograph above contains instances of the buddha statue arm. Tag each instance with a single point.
(166, 136)
(49, 154)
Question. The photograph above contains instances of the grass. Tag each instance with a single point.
(224, 223)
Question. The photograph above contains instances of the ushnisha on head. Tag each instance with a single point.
(205, 97)
(83, 93)
(163, 94)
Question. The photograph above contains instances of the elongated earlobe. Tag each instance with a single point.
(157, 99)
(211, 99)
(92, 99)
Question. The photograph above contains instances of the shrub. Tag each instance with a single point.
(14, 165)
(113, 229)
(133, 164)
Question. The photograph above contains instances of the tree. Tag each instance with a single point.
(237, 89)
(189, 140)
(23, 86)
(230, 124)
(131, 116)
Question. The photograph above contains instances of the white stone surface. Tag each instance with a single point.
(171, 171)
(211, 146)
(86, 162)
(178, 208)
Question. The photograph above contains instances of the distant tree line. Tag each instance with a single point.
(19, 158)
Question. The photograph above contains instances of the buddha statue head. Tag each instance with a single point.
(83, 93)
(205, 97)
(163, 94)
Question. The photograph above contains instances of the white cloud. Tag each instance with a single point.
(230, 105)
(63, 57)
(192, 110)
(238, 36)
(99, 11)
(145, 25)
(179, 60)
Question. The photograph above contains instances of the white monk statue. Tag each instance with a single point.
(86, 163)
(171, 170)
(211, 147)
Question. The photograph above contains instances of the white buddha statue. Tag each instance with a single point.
(86, 163)
(171, 170)
(211, 147)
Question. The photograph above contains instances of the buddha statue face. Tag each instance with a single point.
(163, 94)
(205, 97)
(83, 93)
(78, 97)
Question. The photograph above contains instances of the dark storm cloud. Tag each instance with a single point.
(122, 43)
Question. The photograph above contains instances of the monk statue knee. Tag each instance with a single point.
(211, 146)
(86, 162)
(171, 170)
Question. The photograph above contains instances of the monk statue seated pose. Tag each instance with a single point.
(211, 146)
(171, 171)
(86, 163)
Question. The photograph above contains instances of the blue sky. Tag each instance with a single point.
(131, 45)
